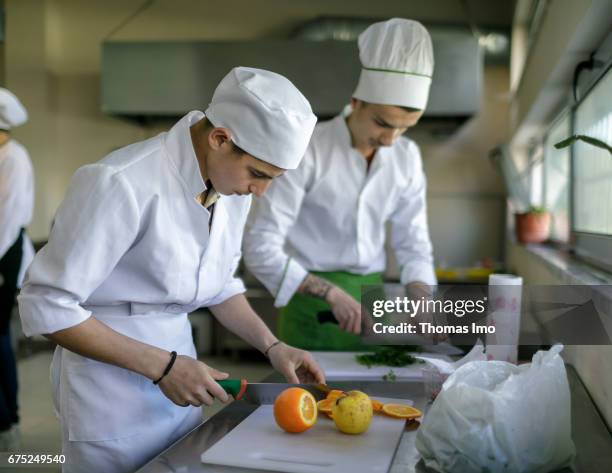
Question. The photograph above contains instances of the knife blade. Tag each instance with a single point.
(262, 393)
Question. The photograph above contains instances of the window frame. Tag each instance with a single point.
(594, 248)
(564, 114)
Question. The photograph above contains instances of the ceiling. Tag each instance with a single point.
(76, 29)
(278, 18)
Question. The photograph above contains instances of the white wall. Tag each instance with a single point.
(465, 193)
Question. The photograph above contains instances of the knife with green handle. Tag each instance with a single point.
(234, 387)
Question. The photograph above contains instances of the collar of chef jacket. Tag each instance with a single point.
(180, 151)
(343, 135)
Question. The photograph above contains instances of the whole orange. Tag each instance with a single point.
(295, 410)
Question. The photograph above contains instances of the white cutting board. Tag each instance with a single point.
(342, 365)
(258, 443)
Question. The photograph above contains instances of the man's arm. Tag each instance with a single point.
(272, 216)
(346, 309)
(419, 289)
(237, 316)
(189, 381)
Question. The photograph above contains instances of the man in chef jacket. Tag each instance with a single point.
(16, 252)
(318, 234)
(143, 237)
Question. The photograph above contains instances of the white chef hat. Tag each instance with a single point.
(397, 64)
(268, 116)
(12, 112)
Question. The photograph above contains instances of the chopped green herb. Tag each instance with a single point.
(390, 376)
(396, 356)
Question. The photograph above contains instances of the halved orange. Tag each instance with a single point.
(376, 405)
(326, 405)
(401, 411)
(295, 410)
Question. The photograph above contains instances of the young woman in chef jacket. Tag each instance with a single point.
(143, 237)
(319, 233)
(16, 252)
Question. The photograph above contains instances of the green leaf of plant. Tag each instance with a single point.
(587, 139)
(566, 142)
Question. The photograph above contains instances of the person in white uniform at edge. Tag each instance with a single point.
(136, 245)
(318, 234)
(16, 252)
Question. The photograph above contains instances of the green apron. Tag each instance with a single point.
(298, 325)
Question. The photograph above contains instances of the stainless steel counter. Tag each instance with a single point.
(593, 440)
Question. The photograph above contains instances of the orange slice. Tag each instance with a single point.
(335, 394)
(401, 411)
(326, 405)
(376, 405)
(295, 410)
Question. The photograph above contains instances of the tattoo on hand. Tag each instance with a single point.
(315, 286)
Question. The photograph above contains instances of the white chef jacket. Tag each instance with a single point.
(330, 214)
(16, 200)
(130, 231)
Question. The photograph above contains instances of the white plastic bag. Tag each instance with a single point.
(493, 416)
(477, 353)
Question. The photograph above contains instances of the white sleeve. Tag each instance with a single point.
(96, 224)
(271, 218)
(14, 180)
(232, 287)
(410, 233)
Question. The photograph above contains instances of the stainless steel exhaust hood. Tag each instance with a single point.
(155, 79)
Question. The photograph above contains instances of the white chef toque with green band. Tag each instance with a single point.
(397, 64)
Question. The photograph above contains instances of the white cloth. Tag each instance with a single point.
(16, 200)
(113, 420)
(12, 112)
(397, 64)
(330, 215)
(268, 116)
(131, 245)
(101, 456)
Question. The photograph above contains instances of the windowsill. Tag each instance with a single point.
(568, 268)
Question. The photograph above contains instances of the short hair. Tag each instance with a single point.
(407, 109)
(208, 125)
(238, 149)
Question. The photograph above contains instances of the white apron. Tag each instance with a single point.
(114, 420)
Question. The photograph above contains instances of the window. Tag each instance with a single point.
(536, 170)
(556, 179)
(592, 175)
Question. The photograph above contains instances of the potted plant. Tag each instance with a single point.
(532, 226)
